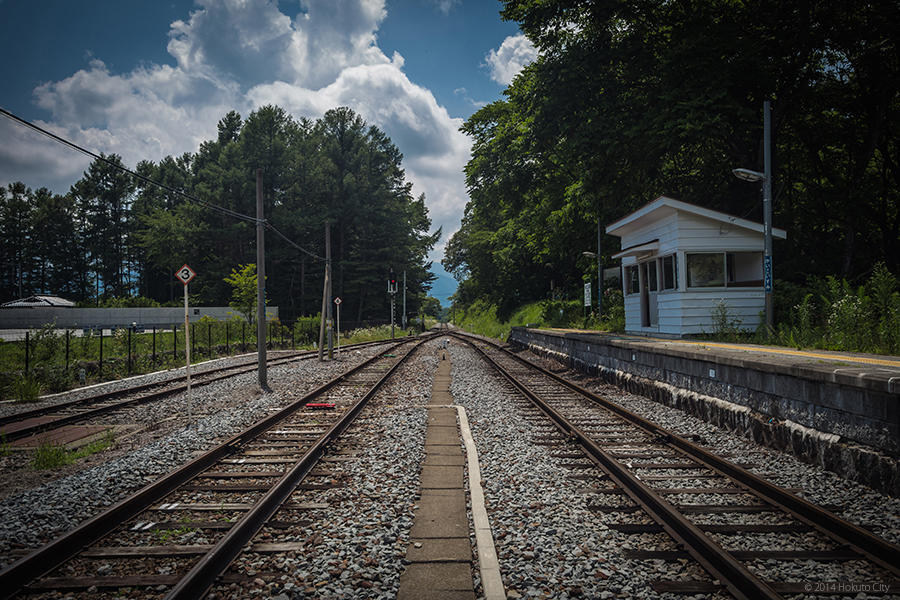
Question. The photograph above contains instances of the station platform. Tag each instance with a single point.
(767, 353)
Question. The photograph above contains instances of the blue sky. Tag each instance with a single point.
(148, 78)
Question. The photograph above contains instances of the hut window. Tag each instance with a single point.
(744, 269)
(724, 269)
(650, 275)
(632, 284)
(706, 270)
(669, 272)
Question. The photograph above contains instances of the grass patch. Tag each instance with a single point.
(372, 334)
(51, 456)
(27, 389)
(482, 318)
(167, 535)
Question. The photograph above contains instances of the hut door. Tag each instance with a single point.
(649, 291)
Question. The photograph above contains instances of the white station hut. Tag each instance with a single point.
(682, 262)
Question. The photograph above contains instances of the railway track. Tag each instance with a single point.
(46, 418)
(703, 501)
(220, 500)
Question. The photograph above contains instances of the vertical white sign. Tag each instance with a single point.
(337, 302)
(587, 294)
(185, 274)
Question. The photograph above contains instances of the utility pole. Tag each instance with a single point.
(768, 275)
(766, 178)
(329, 317)
(403, 318)
(261, 285)
(599, 268)
(324, 302)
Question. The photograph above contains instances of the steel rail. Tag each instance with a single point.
(196, 583)
(43, 560)
(865, 543)
(717, 561)
(102, 396)
(234, 371)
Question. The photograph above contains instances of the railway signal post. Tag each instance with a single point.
(185, 274)
(392, 290)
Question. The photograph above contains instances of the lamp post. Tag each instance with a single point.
(766, 179)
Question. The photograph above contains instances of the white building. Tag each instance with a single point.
(681, 261)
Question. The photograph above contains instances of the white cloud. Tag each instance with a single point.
(464, 93)
(445, 6)
(254, 42)
(505, 62)
(241, 54)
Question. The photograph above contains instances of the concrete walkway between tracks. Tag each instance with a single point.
(439, 554)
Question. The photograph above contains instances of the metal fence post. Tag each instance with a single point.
(227, 349)
(209, 337)
(100, 375)
(154, 344)
(129, 350)
(174, 342)
(292, 339)
(67, 349)
(243, 335)
(27, 346)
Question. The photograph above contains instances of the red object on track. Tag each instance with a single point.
(319, 405)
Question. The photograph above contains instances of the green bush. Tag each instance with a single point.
(832, 314)
(27, 389)
(613, 310)
(562, 313)
(129, 302)
(54, 379)
(306, 330)
(47, 344)
(724, 326)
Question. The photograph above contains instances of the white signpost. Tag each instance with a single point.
(337, 302)
(185, 274)
(587, 294)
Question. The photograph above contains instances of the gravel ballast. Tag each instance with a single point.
(854, 502)
(551, 545)
(357, 546)
(539, 492)
(34, 517)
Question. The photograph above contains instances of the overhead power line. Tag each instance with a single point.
(292, 243)
(227, 211)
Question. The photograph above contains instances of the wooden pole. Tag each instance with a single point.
(261, 285)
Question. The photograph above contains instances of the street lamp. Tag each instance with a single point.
(748, 175)
(766, 179)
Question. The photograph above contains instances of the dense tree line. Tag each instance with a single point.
(631, 99)
(115, 235)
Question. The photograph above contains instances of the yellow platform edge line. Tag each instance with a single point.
(768, 349)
